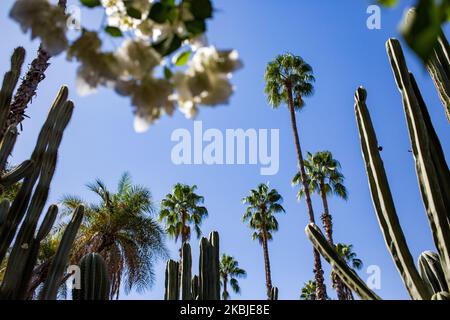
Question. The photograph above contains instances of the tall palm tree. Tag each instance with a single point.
(229, 271)
(288, 80)
(309, 291)
(323, 176)
(346, 252)
(122, 230)
(262, 205)
(181, 209)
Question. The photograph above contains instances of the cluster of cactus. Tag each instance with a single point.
(432, 280)
(179, 283)
(20, 231)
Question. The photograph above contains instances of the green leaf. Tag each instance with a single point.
(201, 9)
(167, 73)
(168, 45)
(422, 28)
(182, 58)
(159, 12)
(388, 3)
(113, 31)
(195, 27)
(134, 13)
(90, 3)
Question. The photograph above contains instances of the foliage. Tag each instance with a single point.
(308, 291)
(163, 58)
(262, 205)
(181, 209)
(320, 168)
(421, 28)
(121, 229)
(288, 72)
(230, 271)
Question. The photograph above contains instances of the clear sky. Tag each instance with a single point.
(332, 36)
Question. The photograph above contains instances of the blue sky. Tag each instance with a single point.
(332, 36)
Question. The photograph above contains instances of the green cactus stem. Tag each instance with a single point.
(441, 296)
(94, 280)
(59, 261)
(172, 280)
(430, 168)
(17, 173)
(348, 275)
(430, 269)
(274, 293)
(186, 272)
(384, 203)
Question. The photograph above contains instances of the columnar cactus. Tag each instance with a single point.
(340, 267)
(431, 167)
(179, 283)
(274, 293)
(19, 232)
(430, 269)
(94, 279)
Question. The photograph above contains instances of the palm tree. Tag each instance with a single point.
(230, 271)
(121, 229)
(309, 291)
(288, 79)
(263, 204)
(181, 209)
(323, 176)
(346, 252)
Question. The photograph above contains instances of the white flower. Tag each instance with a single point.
(137, 59)
(45, 21)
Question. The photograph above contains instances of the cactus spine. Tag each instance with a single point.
(94, 281)
(340, 267)
(179, 283)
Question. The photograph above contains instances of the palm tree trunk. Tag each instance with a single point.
(328, 227)
(29, 84)
(267, 265)
(225, 285)
(321, 291)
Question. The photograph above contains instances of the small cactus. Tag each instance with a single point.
(94, 284)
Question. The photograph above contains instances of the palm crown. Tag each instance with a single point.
(322, 169)
(309, 291)
(345, 251)
(287, 74)
(122, 230)
(181, 209)
(230, 271)
(262, 204)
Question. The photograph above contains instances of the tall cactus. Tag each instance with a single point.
(340, 267)
(274, 293)
(179, 283)
(94, 279)
(19, 232)
(431, 167)
(384, 203)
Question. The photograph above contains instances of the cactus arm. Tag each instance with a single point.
(348, 275)
(7, 145)
(4, 207)
(383, 202)
(17, 174)
(430, 269)
(9, 83)
(215, 265)
(94, 279)
(56, 271)
(20, 203)
(172, 284)
(274, 293)
(186, 272)
(427, 171)
(195, 288)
